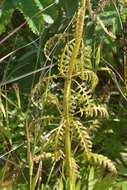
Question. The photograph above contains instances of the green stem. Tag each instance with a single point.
(67, 86)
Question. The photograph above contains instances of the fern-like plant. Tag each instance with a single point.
(72, 137)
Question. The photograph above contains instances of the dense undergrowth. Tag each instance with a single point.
(63, 71)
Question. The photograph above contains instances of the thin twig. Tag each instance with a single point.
(18, 49)
(13, 149)
(27, 74)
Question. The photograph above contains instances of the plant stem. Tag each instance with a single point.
(67, 86)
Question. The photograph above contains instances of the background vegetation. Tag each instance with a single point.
(53, 138)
